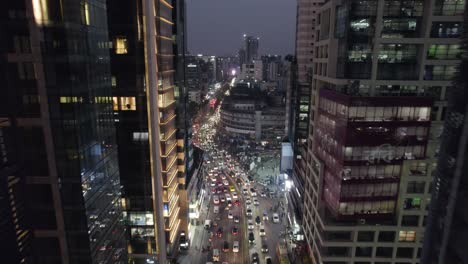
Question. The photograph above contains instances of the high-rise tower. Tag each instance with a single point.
(145, 99)
(381, 72)
(251, 48)
(59, 170)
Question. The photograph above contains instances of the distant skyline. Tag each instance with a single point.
(216, 27)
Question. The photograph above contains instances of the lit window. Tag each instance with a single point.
(127, 103)
(140, 136)
(121, 45)
(41, 12)
(70, 99)
(166, 210)
(114, 81)
(407, 236)
(85, 13)
(115, 103)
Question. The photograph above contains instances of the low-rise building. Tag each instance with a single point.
(249, 113)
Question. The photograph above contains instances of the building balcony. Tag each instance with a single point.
(167, 147)
(165, 103)
(168, 162)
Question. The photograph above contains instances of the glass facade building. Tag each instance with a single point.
(145, 98)
(62, 121)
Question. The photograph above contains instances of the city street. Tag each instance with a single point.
(220, 165)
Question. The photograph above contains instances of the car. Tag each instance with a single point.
(105, 245)
(219, 190)
(264, 247)
(225, 190)
(230, 216)
(232, 188)
(237, 203)
(219, 233)
(215, 255)
(183, 242)
(245, 191)
(258, 220)
(228, 197)
(255, 259)
(222, 199)
(262, 231)
(268, 260)
(276, 218)
(216, 199)
(235, 246)
(262, 194)
(226, 246)
(250, 224)
(255, 201)
(226, 183)
(223, 176)
(212, 184)
(118, 254)
(229, 203)
(265, 216)
(253, 192)
(236, 219)
(220, 183)
(234, 195)
(248, 201)
(248, 212)
(213, 190)
(235, 231)
(251, 237)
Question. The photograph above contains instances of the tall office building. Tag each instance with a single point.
(241, 56)
(305, 37)
(302, 88)
(143, 76)
(59, 171)
(446, 233)
(251, 48)
(381, 73)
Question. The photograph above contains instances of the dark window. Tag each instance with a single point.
(386, 236)
(384, 252)
(404, 252)
(336, 251)
(363, 251)
(337, 236)
(365, 236)
(47, 250)
(415, 187)
(410, 220)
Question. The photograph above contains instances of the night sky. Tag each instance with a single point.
(215, 27)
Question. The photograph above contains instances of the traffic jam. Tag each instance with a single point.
(235, 225)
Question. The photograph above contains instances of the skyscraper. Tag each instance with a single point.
(305, 37)
(302, 88)
(241, 56)
(446, 236)
(59, 169)
(144, 99)
(251, 48)
(381, 70)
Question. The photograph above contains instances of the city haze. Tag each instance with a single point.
(216, 27)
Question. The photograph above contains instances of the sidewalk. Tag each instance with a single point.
(197, 235)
